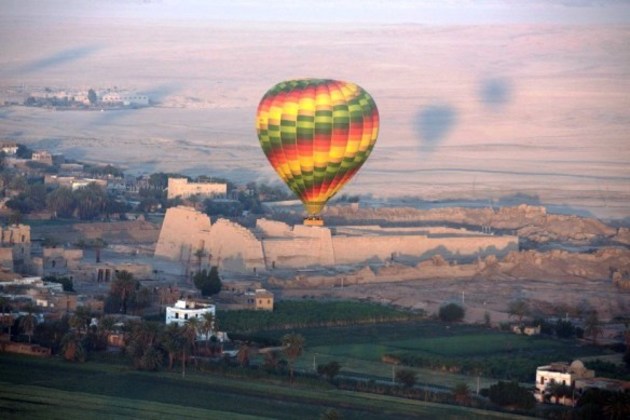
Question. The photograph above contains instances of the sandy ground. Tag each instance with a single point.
(466, 111)
(479, 296)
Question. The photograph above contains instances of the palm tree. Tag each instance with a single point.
(207, 326)
(28, 322)
(123, 286)
(518, 308)
(151, 359)
(81, 319)
(72, 348)
(293, 347)
(189, 334)
(592, 326)
(61, 202)
(172, 342)
(105, 327)
(143, 337)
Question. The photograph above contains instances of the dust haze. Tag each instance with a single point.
(474, 108)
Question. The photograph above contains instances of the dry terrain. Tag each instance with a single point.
(467, 111)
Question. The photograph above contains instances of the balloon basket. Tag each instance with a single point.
(313, 221)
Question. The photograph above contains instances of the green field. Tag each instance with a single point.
(50, 388)
(440, 352)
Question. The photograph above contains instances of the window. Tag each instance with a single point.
(185, 316)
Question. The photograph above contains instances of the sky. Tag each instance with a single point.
(332, 11)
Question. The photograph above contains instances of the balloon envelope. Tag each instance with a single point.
(316, 133)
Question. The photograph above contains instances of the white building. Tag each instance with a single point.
(180, 187)
(9, 149)
(125, 98)
(562, 374)
(183, 310)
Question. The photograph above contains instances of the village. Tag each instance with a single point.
(101, 250)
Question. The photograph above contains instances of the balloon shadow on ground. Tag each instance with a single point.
(62, 57)
(433, 124)
(158, 93)
(495, 93)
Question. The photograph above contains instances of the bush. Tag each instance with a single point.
(209, 283)
(330, 370)
(406, 377)
(511, 393)
(451, 313)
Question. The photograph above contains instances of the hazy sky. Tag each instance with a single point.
(381, 11)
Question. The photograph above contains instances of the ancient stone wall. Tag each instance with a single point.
(273, 229)
(235, 248)
(184, 231)
(353, 249)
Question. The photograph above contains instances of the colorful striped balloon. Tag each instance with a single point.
(316, 134)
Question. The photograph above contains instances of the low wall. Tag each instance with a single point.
(24, 348)
(353, 249)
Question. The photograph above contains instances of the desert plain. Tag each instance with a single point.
(468, 111)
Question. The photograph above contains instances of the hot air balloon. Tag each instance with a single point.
(316, 133)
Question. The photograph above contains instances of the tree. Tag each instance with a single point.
(151, 359)
(519, 309)
(330, 370)
(406, 377)
(451, 312)
(592, 326)
(512, 394)
(199, 254)
(243, 355)
(28, 322)
(172, 342)
(617, 406)
(91, 201)
(5, 320)
(565, 329)
(140, 300)
(66, 282)
(293, 346)
(81, 319)
(461, 393)
(143, 339)
(123, 287)
(23, 152)
(486, 319)
(61, 202)
(189, 335)
(207, 326)
(558, 390)
(92, 97)
(72, 348)
(209, 283)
